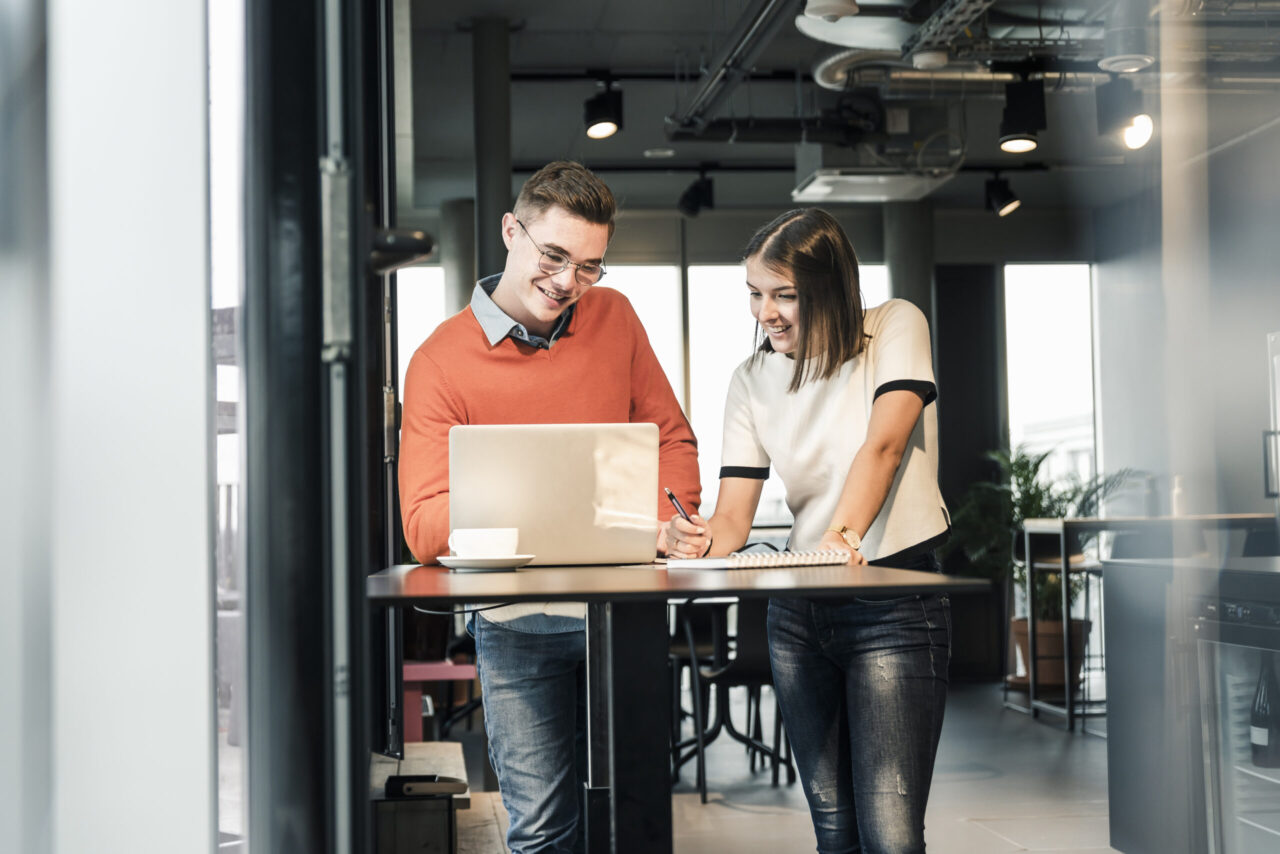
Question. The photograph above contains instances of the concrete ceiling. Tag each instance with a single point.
(657, 50)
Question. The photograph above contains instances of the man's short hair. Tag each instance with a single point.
(570, 186)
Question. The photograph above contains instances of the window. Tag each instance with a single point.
(1050, 365)
(420, 308)
(654, 293)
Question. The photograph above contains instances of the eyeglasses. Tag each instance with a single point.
(553, 262)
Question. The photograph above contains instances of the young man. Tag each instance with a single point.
(538, 344)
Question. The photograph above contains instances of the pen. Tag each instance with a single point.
(675, 502)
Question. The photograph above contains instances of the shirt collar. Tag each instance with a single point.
(497, 324)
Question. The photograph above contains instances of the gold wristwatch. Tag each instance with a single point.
(849, 535)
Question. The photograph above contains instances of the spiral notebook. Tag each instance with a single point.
(762, 560)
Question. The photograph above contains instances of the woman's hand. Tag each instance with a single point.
(687, 539)
(834, 542)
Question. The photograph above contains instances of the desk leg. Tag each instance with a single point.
(628, 730)
(597, 832)
(1031, 623)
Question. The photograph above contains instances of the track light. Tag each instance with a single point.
(1120, 114)
(698, 195)
(603, 112)
(1138, 132)
(1000, 196)
(1023, 116)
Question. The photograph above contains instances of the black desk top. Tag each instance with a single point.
(406, 584)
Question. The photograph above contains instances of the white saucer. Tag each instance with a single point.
(485, 563)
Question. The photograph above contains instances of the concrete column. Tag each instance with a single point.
(458, 252)
(491, 76)
(908, 250)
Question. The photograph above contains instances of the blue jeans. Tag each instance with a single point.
(862, 685)
(534, 692)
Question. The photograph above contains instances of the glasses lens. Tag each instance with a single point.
(552, 263)
(590, 273)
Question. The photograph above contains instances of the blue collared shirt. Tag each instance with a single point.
(497, 324)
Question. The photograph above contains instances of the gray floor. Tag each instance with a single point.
(1003, 782)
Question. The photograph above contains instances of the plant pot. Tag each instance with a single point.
(1049, 649)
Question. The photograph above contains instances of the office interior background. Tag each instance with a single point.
(171, 176)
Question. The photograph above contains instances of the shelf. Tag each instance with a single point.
(1271, 775)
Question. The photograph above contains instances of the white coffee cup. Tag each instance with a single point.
(484, 542)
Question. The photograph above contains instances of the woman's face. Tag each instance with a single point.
(775, 305)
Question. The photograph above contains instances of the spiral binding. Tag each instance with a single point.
(762, 560)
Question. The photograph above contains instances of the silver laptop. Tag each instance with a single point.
(579, 493)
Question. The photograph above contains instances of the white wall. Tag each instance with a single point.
(133, 740)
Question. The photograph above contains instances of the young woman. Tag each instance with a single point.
(839, 401)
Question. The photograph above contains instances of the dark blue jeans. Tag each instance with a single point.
(534, 691)
(862, 684)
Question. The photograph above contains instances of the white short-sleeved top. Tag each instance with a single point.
(810, 436)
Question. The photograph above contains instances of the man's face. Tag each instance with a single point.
(530, 296)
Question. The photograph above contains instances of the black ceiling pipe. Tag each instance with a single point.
(772, 130)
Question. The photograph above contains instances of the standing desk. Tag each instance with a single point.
(1067, 533)
(628, 783)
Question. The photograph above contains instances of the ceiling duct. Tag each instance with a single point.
(1126, 41)
(918, 154)
(833, 71)
(874, 28)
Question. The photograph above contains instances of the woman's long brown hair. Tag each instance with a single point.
(810, 248)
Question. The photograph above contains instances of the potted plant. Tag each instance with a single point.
(987, 529)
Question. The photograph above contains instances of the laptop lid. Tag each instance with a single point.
(579, 493)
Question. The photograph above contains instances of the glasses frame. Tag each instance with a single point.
(544, 263)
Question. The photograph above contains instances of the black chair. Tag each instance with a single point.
(709, 645)
(461, 646)
(748, 668)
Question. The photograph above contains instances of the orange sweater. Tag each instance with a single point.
(601, 369)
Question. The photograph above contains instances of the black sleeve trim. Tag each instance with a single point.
(927, 390)
(745, 471)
